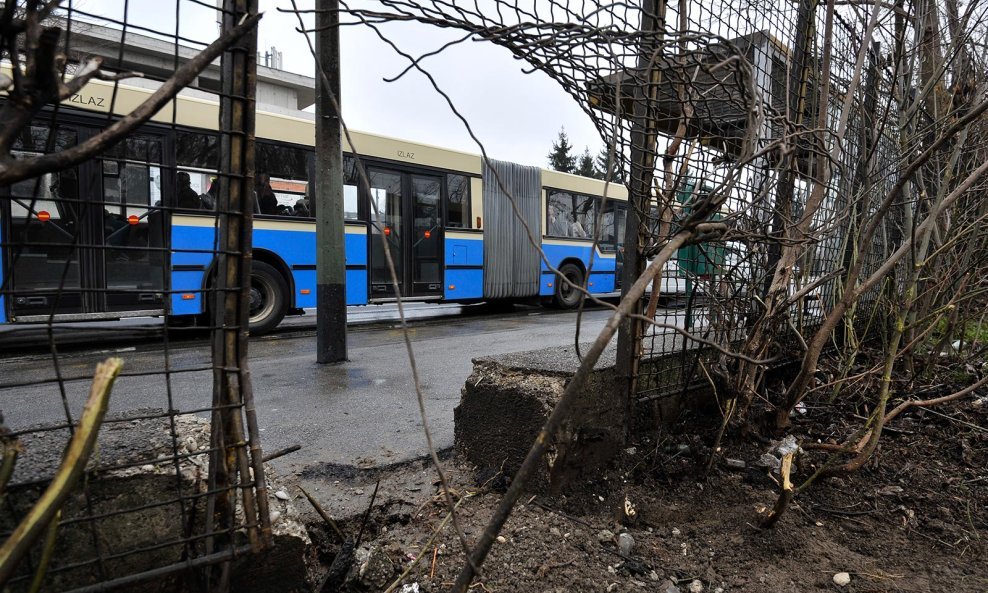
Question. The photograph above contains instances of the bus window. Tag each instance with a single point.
(457, 201)
(351, 209)
(570, 215)
(197, 156)
(282, 180)
(612, 223)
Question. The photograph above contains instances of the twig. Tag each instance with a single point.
(322, 513)
(370, 506)
(280, 453)
(47, 553)
(561, 514)
(785, 497)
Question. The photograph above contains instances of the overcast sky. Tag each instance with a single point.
(515, 115)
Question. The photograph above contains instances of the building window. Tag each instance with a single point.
(570, 215)
(457, 201)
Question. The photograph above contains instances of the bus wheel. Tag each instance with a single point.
(568, 297)
(268, 298)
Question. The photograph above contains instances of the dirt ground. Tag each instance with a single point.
(914, 519)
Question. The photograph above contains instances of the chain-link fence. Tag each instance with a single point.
(126, 193)
(784, 176)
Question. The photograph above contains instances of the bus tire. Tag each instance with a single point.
(268, 298)
(568, 297)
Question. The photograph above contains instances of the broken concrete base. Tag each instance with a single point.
(508, 398)
(129, 518)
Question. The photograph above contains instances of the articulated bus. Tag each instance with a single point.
(131, 233)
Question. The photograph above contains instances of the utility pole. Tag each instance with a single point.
(330, 259)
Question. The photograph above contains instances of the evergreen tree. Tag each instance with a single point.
(560, 158)
(600, 164)
(585, 166)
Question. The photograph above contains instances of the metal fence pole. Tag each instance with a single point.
(330, 258)
(235, 214)
(643, 146)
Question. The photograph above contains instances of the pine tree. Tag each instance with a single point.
(585, 166)
(600, 164)
(560, 158)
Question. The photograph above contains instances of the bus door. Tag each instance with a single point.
(85, 242)
(409, 218)
(132, 257)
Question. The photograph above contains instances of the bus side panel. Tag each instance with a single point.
(295, 247)
(464, 268)
(601, 276)
(192, 248)
(188, 296)
(356, 266)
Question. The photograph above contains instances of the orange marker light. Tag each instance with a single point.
(133, 219)
(44, 216)
(188, 296)
(306, 291)
(549, 284)
(428, 234)
(452, 287)
(387, 231)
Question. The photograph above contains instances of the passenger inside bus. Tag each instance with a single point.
(187, 197)
(208, 199)
(267, 202)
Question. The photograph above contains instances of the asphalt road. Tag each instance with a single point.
(363, 412)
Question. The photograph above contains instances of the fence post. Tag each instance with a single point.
(231, 378)
(643, 146)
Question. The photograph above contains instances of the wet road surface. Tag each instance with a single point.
(360, 412)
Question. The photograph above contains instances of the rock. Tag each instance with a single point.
(631, 450)
(626, 543)
(605, 536)
(696, 586)
(890, 491)
(275, 515)
(668, 587)
(768, 460)
(653, 576)
(410, 588)
(282, 495)
(719, 590)
(787, 445)
(735, 463)
(554, 532)
(842, 579)
(611, 569)
(501, 539)
(676, 532)
(377, 570)
(147, 468)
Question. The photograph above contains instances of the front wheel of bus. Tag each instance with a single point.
(567, 295)
(268, 298)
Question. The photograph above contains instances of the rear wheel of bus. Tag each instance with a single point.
(567, 294)
(268, 298)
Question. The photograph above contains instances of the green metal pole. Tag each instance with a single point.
(330, 258)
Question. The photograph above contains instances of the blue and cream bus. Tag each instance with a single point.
(131, 233)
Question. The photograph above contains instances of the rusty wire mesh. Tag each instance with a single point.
(710, 111)
(176, 481)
